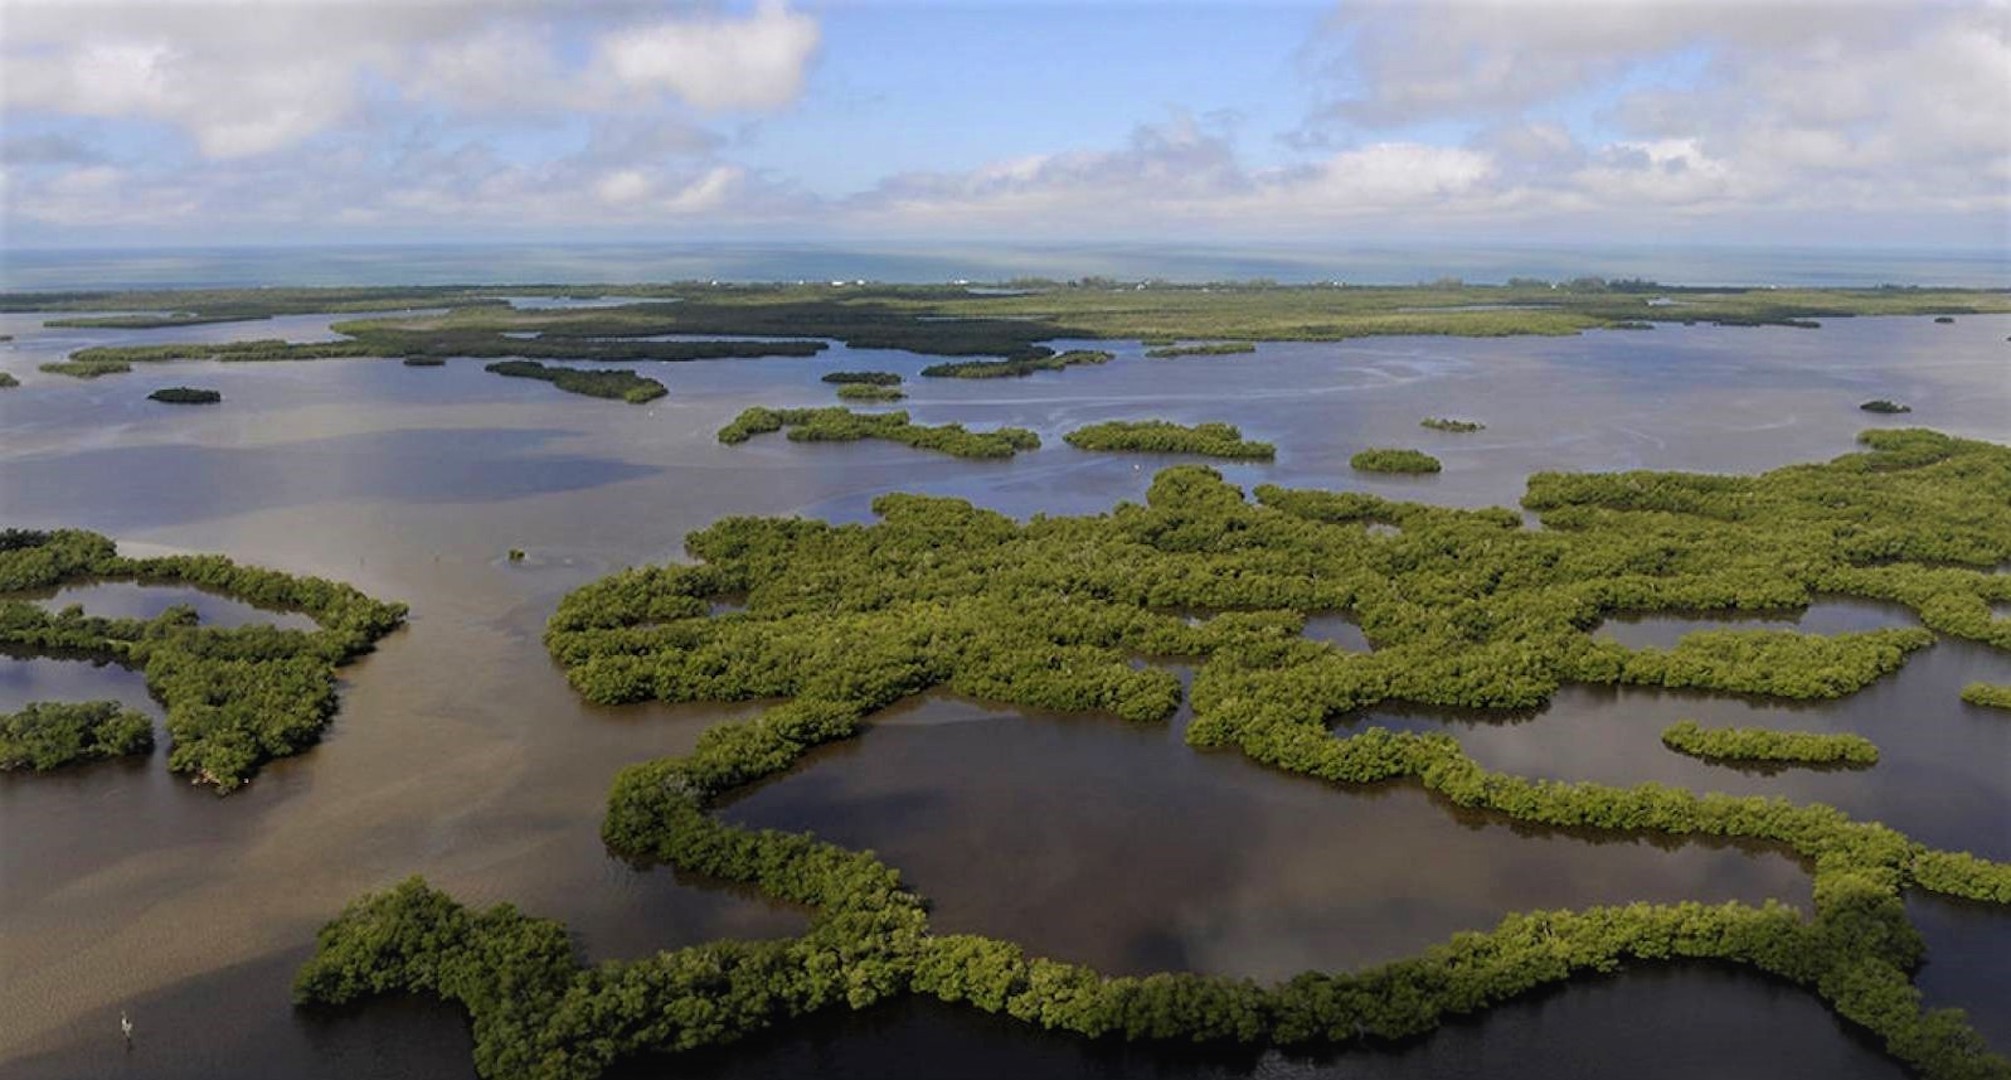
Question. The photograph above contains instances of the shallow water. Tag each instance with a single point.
(461, 754)
(131, 600)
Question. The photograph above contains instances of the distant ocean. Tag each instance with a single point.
(600, 263)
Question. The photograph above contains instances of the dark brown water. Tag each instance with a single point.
(1118, 846)
(461, 754)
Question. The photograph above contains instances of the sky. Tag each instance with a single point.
(1366, 121)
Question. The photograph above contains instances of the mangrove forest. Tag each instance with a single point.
(235, 698)
(839, 424)
(1466, 608)
(1214, 439)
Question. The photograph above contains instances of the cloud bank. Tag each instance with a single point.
(1425, 117)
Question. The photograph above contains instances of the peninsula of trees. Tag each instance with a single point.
(50, 735)
(235, 698)
(1762, 746)
(1018, 367)
(1219, 348)
(1468, 608)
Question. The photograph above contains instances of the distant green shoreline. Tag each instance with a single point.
(695, 321)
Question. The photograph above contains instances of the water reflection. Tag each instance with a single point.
(1120, 847)
(123, 486)
(133, 600)
(1655, 1023)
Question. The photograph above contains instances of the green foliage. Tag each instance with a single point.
(869, 392)
(1988, 694)
(1164, 437)
(1761, 745)
(1017, 367)
(1394, 461)
(619, 384)
(144, 322)
(185, 395)
(48, 735)
(838, 424)
(863, 378)
(1880, 405)
(1465, 607)
(1440, 423)
(87, 369)
(234, 698)
(7, 380)
(1220, 348)
(424, 361)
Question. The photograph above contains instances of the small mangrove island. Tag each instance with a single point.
(235, 698)
(1880, 405)
(1394, 461)
(1990, 695)
(1762, 746)
(1440, 423)
(1165, 437)
(87, 369)
(50, 735)
(619, 384)
(185, 395)
(863, 378)
(1016, 368)
(839, 424)
(870, 392)
(1220, 348)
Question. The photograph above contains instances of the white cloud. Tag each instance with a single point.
(248, 79)
(717, 63)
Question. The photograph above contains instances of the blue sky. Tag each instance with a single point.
(1481, 121)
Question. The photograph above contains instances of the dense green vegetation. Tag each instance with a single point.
(1394, 461)
(145, 322)
(1440, 423)
(1760, 745)
(87, 369)
(1219, 348)
(49, 735)
(185, 395)
(1164, 437)
(621, 384)
(1015, 368)
(869, 392)
(1880, 405)
(234, 698)
(7, 379)
(839, 424)
(865, 378)
(424, 361)
(1466, 608)
(384, 338)
(1994, 696)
